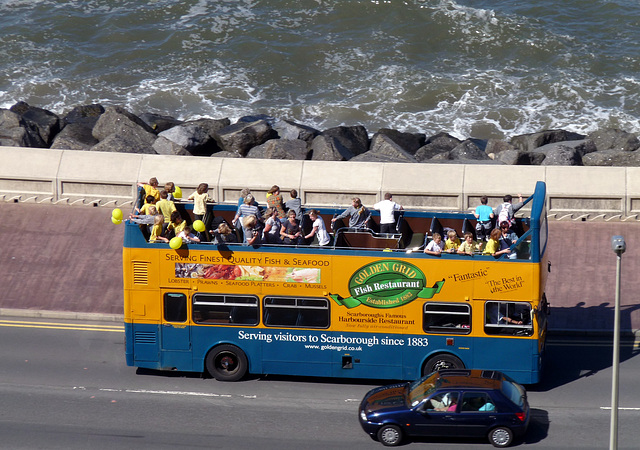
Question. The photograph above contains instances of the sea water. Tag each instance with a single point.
(471, 68)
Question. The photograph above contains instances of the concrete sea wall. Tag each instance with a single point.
(109, 179)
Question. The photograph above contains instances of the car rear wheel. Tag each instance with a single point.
(440, 362)
(390, 435)
(227, 363)
(501, 437)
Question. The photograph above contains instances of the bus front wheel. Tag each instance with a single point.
(227, 363)
(440, 362)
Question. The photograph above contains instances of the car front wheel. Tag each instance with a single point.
(501, 437)
(390, 435)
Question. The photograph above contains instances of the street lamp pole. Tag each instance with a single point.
(618, 246)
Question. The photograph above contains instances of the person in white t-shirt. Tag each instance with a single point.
(435, 247)
(387, 207)
(318, 229)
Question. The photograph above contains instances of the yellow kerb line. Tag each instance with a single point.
(61, 326)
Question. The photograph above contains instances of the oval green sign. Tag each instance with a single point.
(387, 284)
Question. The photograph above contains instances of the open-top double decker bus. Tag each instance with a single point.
(369, 305)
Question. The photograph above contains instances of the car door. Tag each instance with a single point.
(437, 415)
(476, 414)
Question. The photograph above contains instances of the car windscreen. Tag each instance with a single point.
(422, 388)
(513, 392)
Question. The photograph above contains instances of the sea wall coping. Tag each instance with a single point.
(108, 179)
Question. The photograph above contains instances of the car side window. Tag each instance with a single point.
(477, 402)
(442, 402)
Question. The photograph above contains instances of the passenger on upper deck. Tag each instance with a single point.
(469, 246)
(435, 247)
(493, 244)
(187, 236)
(294, 203)
(252, 231)
(156, 231)
(318, 229)
(507, 239)
(200, 198)
(358, 214)
(505, 211)
(144, 209)
(243, 194)
(387, 207)
(247, 209)
(176, 225)
(165, 206)
(274, 200)
(452, 243)
(272, 225)
(150, 189)
(223, 234)
(170, 187)
(147, 218)
(290, 231)
(484, 214)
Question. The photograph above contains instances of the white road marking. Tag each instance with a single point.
(187, 393)
(620, 408)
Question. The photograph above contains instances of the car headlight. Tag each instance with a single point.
(363, 416)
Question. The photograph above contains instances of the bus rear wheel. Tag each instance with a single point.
(227, 363)
(440, 362)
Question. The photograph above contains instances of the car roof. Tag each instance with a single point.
(470, 379)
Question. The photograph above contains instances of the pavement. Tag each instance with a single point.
(61, 261)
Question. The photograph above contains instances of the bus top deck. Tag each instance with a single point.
(413, 230)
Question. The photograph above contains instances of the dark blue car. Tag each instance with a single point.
(458, 403)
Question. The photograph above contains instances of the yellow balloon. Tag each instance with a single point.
(116, 214)
(198, 225)
(175, 243)
(177, 192)
(116, 221)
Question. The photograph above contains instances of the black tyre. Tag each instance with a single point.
(390, 435)
(227, 363)
(501, 437)
(441, 362)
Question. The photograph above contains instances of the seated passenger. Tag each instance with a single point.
(272, 225)
(446, 402)
(496, 317)
(452, 243)
(487, 407)
(223, 234)
(493, 244)
(318, 229)
(156, 231)
(148, 201)
(290, 231)
(358, 214)
(436, 246)
(176, 225)
(145, 218)
(187, 236)
(469, 246)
